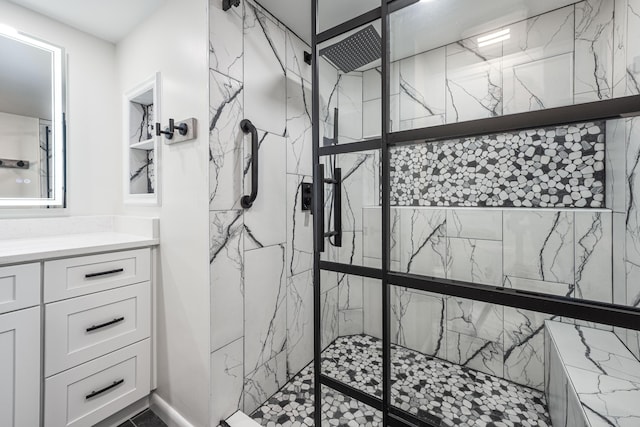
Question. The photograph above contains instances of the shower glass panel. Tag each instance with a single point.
(351, 339)
(502, 57)
(461, 362)
(487, 166)
(483, 210)
(332, 13)
(350, 86)
(355, 199)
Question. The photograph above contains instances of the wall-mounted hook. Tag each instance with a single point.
(182, 128)
(185, 130)
(226, 4)
(168, 132)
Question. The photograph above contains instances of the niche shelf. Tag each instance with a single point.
(141, 145)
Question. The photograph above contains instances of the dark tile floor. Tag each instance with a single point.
(144, 419)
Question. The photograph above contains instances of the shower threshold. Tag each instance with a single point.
(422, 385)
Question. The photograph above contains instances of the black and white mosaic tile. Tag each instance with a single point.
(556, 167)
(442, 392)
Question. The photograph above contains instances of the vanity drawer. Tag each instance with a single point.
(89, 393)
(19, 287)
(83, 328)
(72, 277)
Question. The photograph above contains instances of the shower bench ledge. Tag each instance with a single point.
(592, 379)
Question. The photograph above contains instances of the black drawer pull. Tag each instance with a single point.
(104, 273)
(104, 325)
(102, 390)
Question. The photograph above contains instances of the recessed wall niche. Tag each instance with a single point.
(141, 112)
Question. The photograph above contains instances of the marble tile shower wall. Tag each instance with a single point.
(261, 258)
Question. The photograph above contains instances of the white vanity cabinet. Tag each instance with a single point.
(97, 346)
(20, 368)
(20, 345)
(83, 343)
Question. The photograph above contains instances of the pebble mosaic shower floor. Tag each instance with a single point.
(423, 385)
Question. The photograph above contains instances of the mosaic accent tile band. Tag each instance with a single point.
(444, 393)
(556, 167)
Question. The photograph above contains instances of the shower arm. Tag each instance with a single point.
(247, 127)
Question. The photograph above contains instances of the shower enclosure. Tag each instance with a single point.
(476, 226)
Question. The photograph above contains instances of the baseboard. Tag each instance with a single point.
(170, 416)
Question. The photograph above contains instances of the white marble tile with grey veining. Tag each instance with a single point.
(226, 51)
(372, 233)
(265, 85)
(299, 130)
(475, 353)
(539, 245)
(594, 50)
(633, 47)
(265, 320)
(264, 382)
(350, 291)
(227, 382)
(419, 321)
(556, 384)
(372, 301)
(299, 322)
(593, 265)
(620, 42)
(296, 49)
(594, 350)
(329, 316)
(475, 318)
(350, 107)
(606, 400)
(484, 224)
(615, 178)
(265, 221)
(372, 118)
(633, 190)
(524, 356)
(423, 245)
(474, 80)
(299, 228)
(226, 264)
(472, 260)
(632, 275)
(422, 86)
(329, 80)
(226, 142)
(350, 322)
(538, 62)
(359, 173)
(140, 163)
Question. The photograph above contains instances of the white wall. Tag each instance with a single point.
(174, 41)
(93, 131)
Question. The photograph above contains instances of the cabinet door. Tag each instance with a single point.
(20, 368)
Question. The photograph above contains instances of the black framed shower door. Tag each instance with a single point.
(556, 305)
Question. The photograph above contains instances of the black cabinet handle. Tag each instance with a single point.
(104, 325)
(247, 127)
(103, 390)
(104, 273)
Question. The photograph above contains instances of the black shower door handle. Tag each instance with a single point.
(247, 127)
(336, 233)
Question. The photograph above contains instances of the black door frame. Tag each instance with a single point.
(615, 315)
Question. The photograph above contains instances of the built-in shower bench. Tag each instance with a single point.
(592, 379)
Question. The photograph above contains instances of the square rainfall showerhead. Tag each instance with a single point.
(355, 51)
